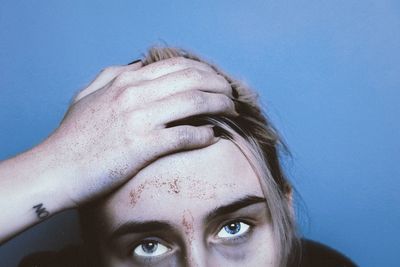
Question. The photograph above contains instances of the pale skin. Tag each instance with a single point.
(114, 128)
(197, 208)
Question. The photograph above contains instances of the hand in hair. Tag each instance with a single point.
(118, 124)
(114, 128)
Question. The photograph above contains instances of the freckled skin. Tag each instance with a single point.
(182, 189)
(136, 193)
(199, 189)
(174, 186)
(188, 224)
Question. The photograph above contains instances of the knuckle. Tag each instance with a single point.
(205, 134)
(225, 102)
(123, 78)
(119, 81)
(208, 67)
(126, 97)
(109, 70)
(188, 63)
(178, 61)
(192, 74)
(224, 83)
(209, 135)
(185, 136)
(197, 99)
(137, 117)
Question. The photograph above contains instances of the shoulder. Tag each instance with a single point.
(312, 254)
(317, 254)
(71, 256)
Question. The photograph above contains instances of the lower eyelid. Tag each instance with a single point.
(171, 249)
(240, 237)
(131, 248)
(160, 246)
(144, 261)
(236, 239)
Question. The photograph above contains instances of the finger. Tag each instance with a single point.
(106, 76)
(184, 137)
(175, 83)
(187, 104)
(161, 68)
(170, 65)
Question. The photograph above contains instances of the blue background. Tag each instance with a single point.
(327, 73)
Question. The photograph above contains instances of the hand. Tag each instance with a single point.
(117, 125)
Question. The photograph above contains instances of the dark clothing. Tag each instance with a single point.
(316, 254)
(313, 255)
(72, 256)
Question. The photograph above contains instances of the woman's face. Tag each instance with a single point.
(197, 208)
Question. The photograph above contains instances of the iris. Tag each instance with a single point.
(232, 228)
(149, 247)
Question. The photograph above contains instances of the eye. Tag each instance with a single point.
(233, 229)
(150, 248)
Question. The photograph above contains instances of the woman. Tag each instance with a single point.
(221, 175)
(219, 201)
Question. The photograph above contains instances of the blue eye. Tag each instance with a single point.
(233, 229)
(150, 248)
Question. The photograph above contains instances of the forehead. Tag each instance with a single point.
(195, 181)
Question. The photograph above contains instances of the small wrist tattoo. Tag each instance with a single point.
(41, 211)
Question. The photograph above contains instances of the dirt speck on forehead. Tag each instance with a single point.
(187, 187)
(200, 189)
(172, 187)
(188, 224)
(135, 194)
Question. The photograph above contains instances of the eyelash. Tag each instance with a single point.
(231, 240)
(236, 238)
(131, 250)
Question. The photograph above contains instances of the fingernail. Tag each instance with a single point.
(134, 62)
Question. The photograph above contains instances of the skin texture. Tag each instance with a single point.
(120, 120)
(114, 127)
(181, 190)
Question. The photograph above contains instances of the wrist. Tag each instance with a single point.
(30, 191)
(46, 173)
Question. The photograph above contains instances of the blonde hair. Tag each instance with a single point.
(262, 143)
(255, 136)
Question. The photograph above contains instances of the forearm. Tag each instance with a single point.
(114, 128)
(30, 191)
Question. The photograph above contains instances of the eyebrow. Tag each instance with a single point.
(132, 227)
(234, 206)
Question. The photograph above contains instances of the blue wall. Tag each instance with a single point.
(328, 73)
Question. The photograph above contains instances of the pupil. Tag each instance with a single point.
(233, 228)
(149, 247)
